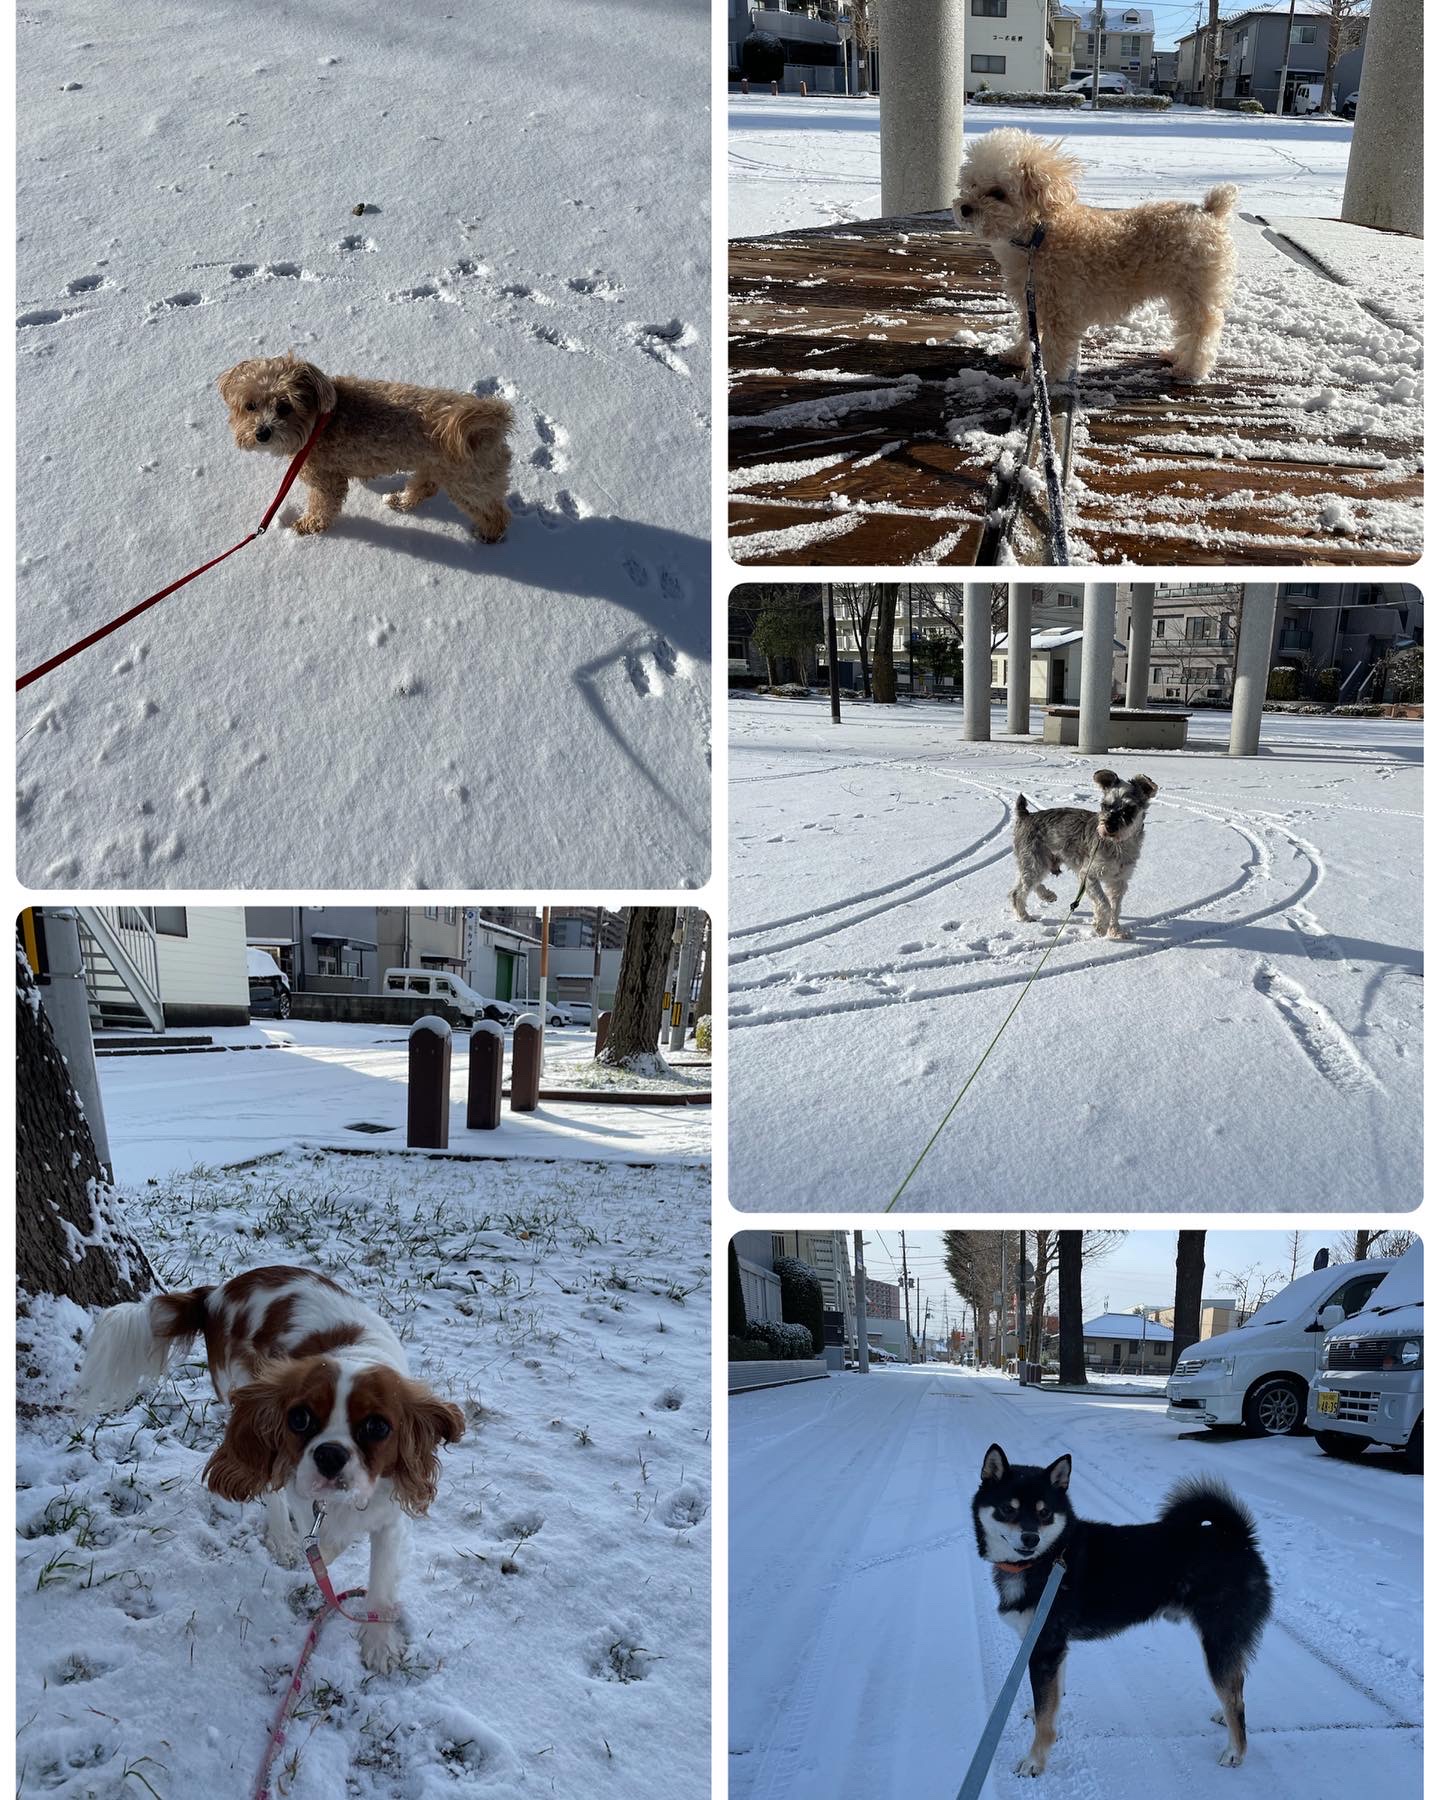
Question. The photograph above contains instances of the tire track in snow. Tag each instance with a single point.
(1322, 1040)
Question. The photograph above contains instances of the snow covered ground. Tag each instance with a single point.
(313, 1082)
(1256, 1046)
(391, 704)
(817, 162)
(865, 1645)
(567, 1309)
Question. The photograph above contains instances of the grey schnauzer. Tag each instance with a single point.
(1104, 847)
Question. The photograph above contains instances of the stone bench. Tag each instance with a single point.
(1131, 728)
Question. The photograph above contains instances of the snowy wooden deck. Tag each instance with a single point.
(862, 433)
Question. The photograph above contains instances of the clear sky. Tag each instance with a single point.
(1140, 1271)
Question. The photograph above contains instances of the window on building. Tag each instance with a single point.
(989, 9)
(987, 65)
(169, 921)
(1159, 628)
(1303, 34)
(1197, 628)
(1156, 674)
(1220, 672)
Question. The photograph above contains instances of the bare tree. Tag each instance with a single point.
(1356, 1246)
(1294, 1246)
(1035, 1325)
(1071, 1308)
(1252, 1287)
(860, 600)
(640, 989)
(883, 679)
(866, 29)
(1189, 1289)
(70, 1237)
(1345, 27)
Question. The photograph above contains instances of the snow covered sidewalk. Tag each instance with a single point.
(391, 704)
(865, 1645)
(316, 1083)
(1256, 1046)
(557, 1594)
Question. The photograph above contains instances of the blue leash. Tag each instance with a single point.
(1055, 494)
(990, 1737)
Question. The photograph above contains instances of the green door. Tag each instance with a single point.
(504, 974)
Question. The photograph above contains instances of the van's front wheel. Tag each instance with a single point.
(1342, 1444)
(1415, 1449)
(1275, 1407)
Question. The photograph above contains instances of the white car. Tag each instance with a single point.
(1370, 1386)
(1258, 1376)
(1110, 83)
(440, 984)
(555, 1014)
(581, 1012)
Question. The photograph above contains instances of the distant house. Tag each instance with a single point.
(1008, 46)
(152, 967)
(1251, 54)
(809, 32)
(1128, 1344)
(347, 949)
(1126, 42)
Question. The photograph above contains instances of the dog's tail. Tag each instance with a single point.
(131, 1347)
(1022, 807)
(1220, 201)
(1207, 1507)
(460, 424)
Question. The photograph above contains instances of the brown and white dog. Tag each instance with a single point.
(438, 438)
(322, 1409)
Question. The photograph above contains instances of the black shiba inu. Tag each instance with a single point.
(1198, 1561)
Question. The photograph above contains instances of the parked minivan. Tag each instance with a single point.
(1258, 1376)
(439, 984)
(1370, 1386)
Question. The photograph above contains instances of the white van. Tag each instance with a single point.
(439, 984)
(1370, 1386)
(1259, 1374)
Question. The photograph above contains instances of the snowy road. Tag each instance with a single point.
(1276, 952)
(166, 1113)
(865, 1646)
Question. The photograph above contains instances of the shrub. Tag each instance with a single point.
(749, 1349)
(1284, 684)
(1249, 106)
(802, 1299)
(1405, 677)
(702, 1032)
(1136, 103)
(1327, 685)
(787, 1342)
(983, 97)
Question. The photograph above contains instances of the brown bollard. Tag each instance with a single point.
(775, 87)
(487, 1062)
(427, 1115)
(744, 84)
(525, 1057)
(602, 1031)
(804, 91)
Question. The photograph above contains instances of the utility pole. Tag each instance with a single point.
(595, 972)
(905, 1289)
(1212, 53)
(862, 1344)
(1285, 66)
(1099, 40)
(679, 1017)
(831, 653)
(544, 975)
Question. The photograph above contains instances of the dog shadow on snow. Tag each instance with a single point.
(658, 581)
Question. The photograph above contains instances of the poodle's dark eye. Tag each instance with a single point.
(300, 1420)
(282, 409)
(373, 1430)
(996, 194)
(249, 406)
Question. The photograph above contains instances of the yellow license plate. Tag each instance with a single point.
(1326, 1402)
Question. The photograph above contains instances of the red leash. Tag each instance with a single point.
(297, 464)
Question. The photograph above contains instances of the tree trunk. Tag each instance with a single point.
(1072, 1310)
(1035, 1324)
(883, 677)
(1189, 1283)
(61, 1194)
(640, 990)
(770, 671)
(1363, 1241)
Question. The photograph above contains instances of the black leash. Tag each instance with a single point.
(1055, 493)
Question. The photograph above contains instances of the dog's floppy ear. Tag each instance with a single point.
(1058, 1474)
(316, 385)
(1047, 179)
(1106, 778)
(994, 1467)
(1146, 786)
(229, 384)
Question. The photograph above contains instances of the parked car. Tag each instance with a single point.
(1258, 1376)
(581, 1012)
(1349, 105)
(1370, 1386)
(439, 984)
(269, 986)
(555, 1014)
(1110, 83)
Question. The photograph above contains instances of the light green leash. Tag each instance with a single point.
(996, 1039)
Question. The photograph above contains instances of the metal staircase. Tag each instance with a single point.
(122, 968)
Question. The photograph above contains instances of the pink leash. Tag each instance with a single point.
(312, 1637)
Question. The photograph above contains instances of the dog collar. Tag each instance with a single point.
(1016, 1568)
(1033, 242)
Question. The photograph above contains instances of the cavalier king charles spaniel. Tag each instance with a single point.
(322, 1410)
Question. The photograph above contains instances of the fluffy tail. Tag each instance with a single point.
(470, 417)
(1208, 1507)
(1221, 200)
(1022, 807)
(131, 1347)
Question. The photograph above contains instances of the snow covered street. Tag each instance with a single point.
(557, 1594)
(866, 1648)
(312, 1084)
(1256, 1046)
(435, 196)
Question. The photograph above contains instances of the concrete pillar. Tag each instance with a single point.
(1017, 683)
(1252, 665)
(1137, 658)
(1097, 668)
(1384, 185)
(525, 1059)
(487, 1059)
(427, 1099)
(977, 661)
(922, 98)
(67, 1006)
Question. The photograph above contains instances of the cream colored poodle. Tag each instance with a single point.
(1093, 267)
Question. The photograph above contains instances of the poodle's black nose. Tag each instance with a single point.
(262, 436)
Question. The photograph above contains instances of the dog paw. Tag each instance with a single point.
(1230, 1759)
(1030, 1765)
(1045, 894)
(1117, 935)
(285, 1547)
(381, 1646)
(306, 525)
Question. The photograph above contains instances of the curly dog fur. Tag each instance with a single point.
(1094, 267)
(438, 438)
